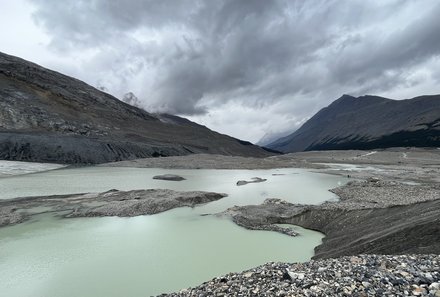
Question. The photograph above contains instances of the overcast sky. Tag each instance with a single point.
(242, 67)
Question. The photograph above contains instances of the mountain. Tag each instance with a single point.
(368, 122)
(47, 116)
(270, 137)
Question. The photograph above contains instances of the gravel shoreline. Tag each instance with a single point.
(363, 275)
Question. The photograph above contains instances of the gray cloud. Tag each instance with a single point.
(279, 59)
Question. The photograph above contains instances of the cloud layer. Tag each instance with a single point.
(247, 68)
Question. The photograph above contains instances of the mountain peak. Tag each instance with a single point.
(343, 100)
(365, 99)
(346, 97)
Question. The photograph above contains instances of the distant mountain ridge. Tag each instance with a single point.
(50, 117)
(270, 137)
(368, 122)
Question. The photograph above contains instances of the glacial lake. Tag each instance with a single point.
(148, 255)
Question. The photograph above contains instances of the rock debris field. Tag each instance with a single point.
(363, 275)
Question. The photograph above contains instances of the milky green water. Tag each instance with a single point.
(147, 255)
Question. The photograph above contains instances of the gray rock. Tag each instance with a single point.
(170, 177)
(434, 286)
(253, 180)
(110, 203)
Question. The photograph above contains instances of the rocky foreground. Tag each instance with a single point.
(363, 275)
(111, 203)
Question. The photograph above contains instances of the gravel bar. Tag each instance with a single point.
(362, 276)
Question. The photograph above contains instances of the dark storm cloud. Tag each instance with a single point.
(92, 23)
(191, 56)
(372, 56)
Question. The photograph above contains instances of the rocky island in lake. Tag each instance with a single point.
(111, 203)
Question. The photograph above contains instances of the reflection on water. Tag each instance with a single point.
(147, 255)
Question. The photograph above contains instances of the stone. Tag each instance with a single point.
(253, 180)
(169, 177)
(418, 291)
(434, 286)
(295, 276)
(366, 284)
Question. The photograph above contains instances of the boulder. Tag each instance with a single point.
(170, 177)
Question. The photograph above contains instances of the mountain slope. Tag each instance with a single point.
(368, 122)
(270, 137)
(47, 116)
